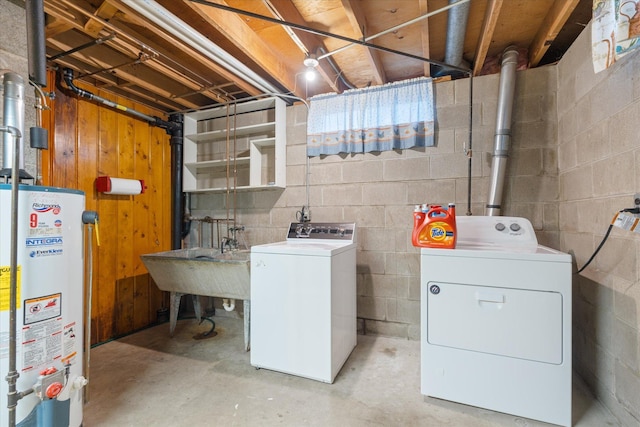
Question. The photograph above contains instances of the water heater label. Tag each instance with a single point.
(41, 344)
(5, 286)
(42, 308)
(44, 235)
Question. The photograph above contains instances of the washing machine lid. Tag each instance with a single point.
(308, 248)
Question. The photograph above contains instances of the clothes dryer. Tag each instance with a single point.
(496, 321)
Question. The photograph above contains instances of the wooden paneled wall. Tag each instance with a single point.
(87, 140)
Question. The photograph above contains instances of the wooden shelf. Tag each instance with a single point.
(256, 147)
(221, 134)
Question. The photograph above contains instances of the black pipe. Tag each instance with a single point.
(177, 208)
(174, 129)
(84, 46)
(35, 42)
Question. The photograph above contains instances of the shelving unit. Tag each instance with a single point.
(241, 146)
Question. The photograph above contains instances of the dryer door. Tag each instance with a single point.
(519, 323)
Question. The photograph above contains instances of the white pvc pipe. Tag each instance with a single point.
(161, 16)
(228, 306)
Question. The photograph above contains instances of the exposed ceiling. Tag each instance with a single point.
(138, 49)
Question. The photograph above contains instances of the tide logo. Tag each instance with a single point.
(437, 233)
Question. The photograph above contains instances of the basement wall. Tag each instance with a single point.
(599, 172)
(13, 57)
(377, 191)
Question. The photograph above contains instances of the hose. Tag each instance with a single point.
(606, 235)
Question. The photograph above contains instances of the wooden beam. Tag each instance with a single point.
(424, 35)
(106, 60)
(551, 26)
(130, 44)
(105, 12)
(486, 34)
(285, 10)
(359, 23)
(235, 29)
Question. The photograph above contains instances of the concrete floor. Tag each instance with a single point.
(151, 379)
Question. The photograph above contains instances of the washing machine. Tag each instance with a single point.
(496, 321)
(303, 301)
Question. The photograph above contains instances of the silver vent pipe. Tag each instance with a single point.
(502, 139)
(456, 31)
(13, 116)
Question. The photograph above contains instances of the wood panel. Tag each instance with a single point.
(64, 143)
(89, 140)
(108, 211)
(88, 137)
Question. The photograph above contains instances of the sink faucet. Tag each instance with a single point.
(230, 243)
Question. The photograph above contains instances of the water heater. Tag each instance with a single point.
(50, 301)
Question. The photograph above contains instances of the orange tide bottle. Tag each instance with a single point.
(439, 228)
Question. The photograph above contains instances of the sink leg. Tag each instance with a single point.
(197, 307)
(174, 307)
(247, 324)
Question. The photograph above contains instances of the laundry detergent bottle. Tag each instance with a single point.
(439, 228)
(418, 219)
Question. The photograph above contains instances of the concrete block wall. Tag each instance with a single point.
(599, 172)
(377, 191)
(13, 57)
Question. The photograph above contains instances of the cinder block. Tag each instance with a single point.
(387, 329)
(364, 216)
(388, 193)
(406, 169)
(342, 195)
(576, 184)
(371, 307)
(362, 171)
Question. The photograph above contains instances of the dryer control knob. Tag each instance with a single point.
(515, 227)
(500, 226)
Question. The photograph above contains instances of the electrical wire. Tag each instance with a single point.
(606, 235)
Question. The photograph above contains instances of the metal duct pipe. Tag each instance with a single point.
(35, 42)
(502, 139)
(13, 116)
(456, 30)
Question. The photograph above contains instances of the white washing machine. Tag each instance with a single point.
(496, 321)
(303, 301)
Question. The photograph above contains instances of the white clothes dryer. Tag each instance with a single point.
(303, 301)
(496, 321)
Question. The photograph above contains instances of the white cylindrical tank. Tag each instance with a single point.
(50, 301)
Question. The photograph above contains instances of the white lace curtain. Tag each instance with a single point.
(389, 117)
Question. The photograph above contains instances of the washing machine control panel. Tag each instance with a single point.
(321, 231)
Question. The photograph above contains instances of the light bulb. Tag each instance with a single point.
(310, 74)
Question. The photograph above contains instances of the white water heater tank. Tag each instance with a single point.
(50, 301)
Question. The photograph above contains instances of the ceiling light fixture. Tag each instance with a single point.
(311, 62)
